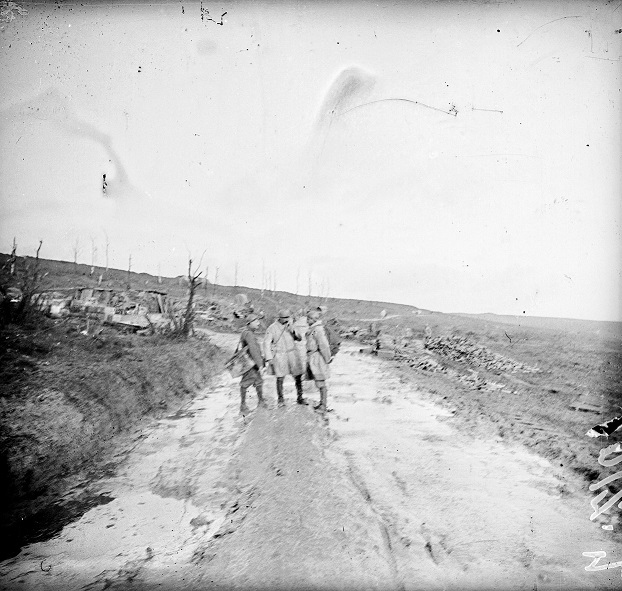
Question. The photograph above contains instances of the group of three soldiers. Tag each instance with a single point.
(297, 349)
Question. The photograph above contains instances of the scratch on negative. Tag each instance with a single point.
(607, 59)
(488, 110)
(453, 111)
(544, 25)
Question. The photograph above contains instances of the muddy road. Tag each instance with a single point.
(384, 494)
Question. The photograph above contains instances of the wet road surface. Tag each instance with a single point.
(382, 495)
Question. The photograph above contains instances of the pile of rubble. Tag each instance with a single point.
(128, 309)
(461, 349)
(458, 349)
(422, 362)
(426, 362)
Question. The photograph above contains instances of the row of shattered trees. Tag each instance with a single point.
(22, 295)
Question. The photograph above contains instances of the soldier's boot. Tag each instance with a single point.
(260, 399)
(323, 396)
(299, 398)
(279, 391)
(243, 408)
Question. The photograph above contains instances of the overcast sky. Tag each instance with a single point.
(267, 141)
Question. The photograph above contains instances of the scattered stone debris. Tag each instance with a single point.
(419, 355)
(462, 349)
(422, 362)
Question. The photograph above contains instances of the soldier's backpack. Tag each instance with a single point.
(334, 340)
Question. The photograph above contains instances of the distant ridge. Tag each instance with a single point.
(550, 322)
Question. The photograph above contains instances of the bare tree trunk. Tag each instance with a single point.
(215, 282)
(129, 270)
(93, 255)
(76, 252)
(13, 256)
(107, 249)
(193, 282)
(188, 315)
(263, 276)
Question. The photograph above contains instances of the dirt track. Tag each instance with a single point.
(385, 495)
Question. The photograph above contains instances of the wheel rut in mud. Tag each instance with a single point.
(305, 524)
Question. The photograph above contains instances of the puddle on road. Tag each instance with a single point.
(48, 522)
(150, 515)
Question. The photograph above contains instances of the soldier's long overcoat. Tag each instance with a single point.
(318, 351)
(280, 348)
(300, 327)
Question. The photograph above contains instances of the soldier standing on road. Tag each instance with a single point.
(282, 354)
(318, 356)
(253, 376)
